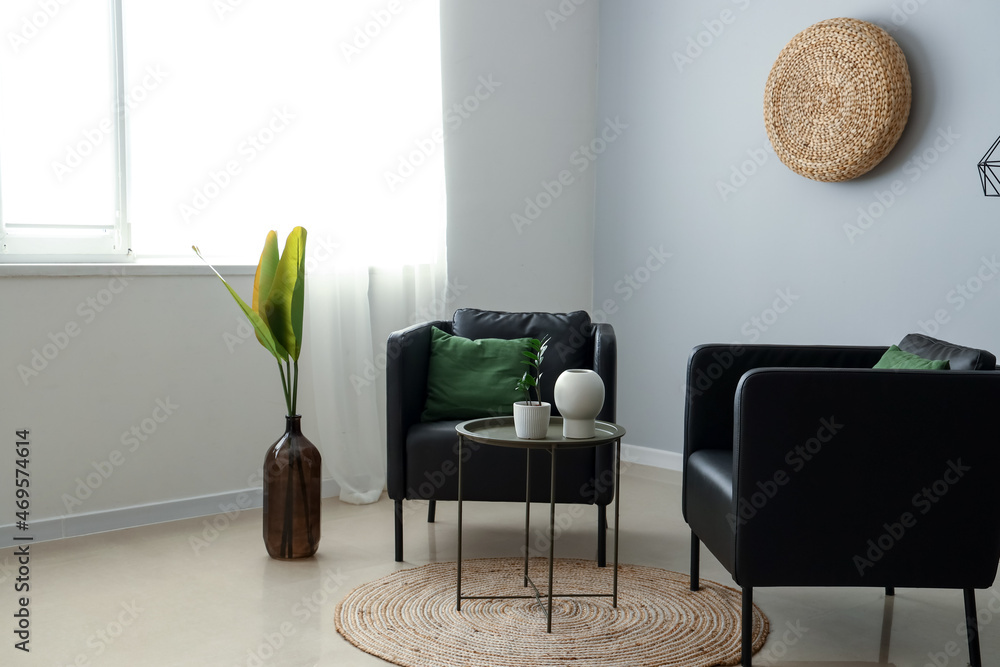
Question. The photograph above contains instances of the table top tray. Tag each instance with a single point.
(500, 431)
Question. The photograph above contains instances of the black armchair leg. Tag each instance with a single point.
(890, 590)
(972, 627)
(747, 629)
(602, 535)
(399, 530)
(431, 508)
(695, 561)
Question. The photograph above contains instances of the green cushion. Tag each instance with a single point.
(467, 379)
(897, 358)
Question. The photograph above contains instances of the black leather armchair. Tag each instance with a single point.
(803, 466)
(422, 457)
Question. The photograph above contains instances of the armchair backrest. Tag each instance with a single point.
(961, 358)
(573, 343)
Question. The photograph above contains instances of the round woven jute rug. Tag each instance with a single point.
(409, 618)
(837, 99)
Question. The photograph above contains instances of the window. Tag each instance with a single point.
(61, 145)
(236, 117)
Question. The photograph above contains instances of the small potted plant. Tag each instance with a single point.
(531, 418)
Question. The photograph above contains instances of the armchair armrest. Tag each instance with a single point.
(407, 359)
(715, 370)
(606, 365)
(866, 477)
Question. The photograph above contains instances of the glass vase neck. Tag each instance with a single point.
(293, 424)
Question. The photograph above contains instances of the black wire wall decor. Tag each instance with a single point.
(989, 170)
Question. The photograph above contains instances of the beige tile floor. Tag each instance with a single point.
(148, 596)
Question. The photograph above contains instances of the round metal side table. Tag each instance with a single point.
(499, 431)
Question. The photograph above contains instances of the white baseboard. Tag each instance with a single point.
(76, 525)
(647, 456)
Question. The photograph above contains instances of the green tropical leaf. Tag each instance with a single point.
(286, 298)
(266, 267)
(259, 326)
(264, 277)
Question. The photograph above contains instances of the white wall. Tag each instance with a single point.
(691, 126)
(524, 133)
(163, 354)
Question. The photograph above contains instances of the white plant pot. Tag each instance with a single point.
(579, 397)
(531, 422)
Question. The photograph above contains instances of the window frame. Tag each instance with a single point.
(22, 243)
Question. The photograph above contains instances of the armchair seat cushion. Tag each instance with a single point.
(709, 491)
(490, 473)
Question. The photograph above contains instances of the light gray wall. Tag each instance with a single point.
(521, 136)
(693, 124)
(146, 398)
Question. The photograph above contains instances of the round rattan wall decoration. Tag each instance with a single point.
(837, 99)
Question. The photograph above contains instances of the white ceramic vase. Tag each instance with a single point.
(579, 397)
(531, 422)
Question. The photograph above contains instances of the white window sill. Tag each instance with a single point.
(165, 266)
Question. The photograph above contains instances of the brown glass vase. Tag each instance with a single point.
(292, 480)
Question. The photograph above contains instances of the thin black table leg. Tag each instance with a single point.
(458, 605)
(527, 509)
(602, 535)
(552, 529)
(618, 502)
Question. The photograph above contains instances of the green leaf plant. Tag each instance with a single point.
(535, 352)
(277, 306)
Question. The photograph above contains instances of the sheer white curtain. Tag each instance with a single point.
(388, 224)
(254, 116)
(347, 417)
